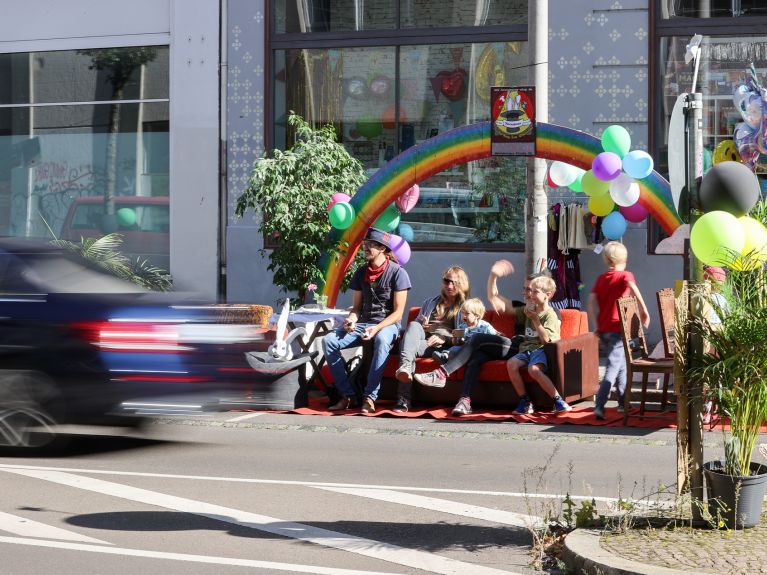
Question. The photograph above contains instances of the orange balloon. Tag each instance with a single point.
(387, 118)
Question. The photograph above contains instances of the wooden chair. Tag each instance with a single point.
(667, 315)
(637, 357)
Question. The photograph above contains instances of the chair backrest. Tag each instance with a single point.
(666, 312)
(634, 341)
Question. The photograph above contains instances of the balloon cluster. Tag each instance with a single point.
(610, 182)
(724, 235)
(342, 214)
(751, 101)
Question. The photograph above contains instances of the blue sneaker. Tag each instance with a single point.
(560, 406)
(525, 407)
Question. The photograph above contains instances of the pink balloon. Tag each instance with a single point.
(400, 248)
(338, 197)
(408, 199)
(635, 213)
(607, 166)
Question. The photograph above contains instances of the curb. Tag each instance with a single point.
(584, 555)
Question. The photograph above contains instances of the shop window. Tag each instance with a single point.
(712, 8)
(333, 15)
(448, 13)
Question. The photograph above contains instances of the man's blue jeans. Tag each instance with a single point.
(340, 339)
(611, 345)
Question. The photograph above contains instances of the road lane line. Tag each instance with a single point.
(246, 416)
(324, 537)
(271, 565)
(29, 528)
(309, 483)
(442, 505)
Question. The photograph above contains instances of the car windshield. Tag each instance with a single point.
(56, 273)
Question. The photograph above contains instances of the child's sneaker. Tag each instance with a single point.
(463, 407)
(439, 356)
(599, 412)
(560, 406)
(525, 407)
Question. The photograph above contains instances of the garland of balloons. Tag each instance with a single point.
(724, 235)
(610, 182)
(341, 215)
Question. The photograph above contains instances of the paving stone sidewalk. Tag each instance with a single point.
(680, 550)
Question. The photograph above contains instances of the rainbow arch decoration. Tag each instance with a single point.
(458, 146)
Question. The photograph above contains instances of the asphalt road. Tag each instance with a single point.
(268, 493)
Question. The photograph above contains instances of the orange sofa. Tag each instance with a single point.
(573, 367)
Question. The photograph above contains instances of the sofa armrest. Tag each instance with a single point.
(574, 365)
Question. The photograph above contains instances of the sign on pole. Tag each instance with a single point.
(512, 117)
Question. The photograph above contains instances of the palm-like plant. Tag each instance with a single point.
(105, 253)
(734, 364)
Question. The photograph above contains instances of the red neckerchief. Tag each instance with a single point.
(372, 274)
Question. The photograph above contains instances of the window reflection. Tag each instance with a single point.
(449, 13)
(712, 8)
(333, 15)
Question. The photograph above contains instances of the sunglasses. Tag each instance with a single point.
(448, 281)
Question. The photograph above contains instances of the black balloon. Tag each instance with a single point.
(730, 187)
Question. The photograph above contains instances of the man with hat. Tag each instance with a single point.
(379, 293)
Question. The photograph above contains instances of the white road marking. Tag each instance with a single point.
(442, 505)
(28, 528)
(325, 537)
(310, 483)
(246, 416)
(271, 565)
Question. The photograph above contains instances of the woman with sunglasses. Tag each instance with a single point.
(431, 330)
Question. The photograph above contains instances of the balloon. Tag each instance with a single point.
(729, 187)
(638, 164)
(400, 248)
(389, 219)
(338, 197)
(408, 199)
(616, 139)
(636, 213)
(715, 237)
(406, 232)
(601, 205)
(755, 247)
(726, 151)
(624, 190)
(341, 215)
(380, 86)
(356, 88)
(593, 186)
(562, 174)
(606, 166)
(126, 217)
(368, 127)
(549, 182)
(577, 186)
(614, 226)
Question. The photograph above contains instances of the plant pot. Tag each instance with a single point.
(737, 500)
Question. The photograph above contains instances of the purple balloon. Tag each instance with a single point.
(400, 248)
(607, 166)
(635, 213)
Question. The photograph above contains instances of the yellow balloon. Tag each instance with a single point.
(601, 205)
(754, 252)
(726, 151)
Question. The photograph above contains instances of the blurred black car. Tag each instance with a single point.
(76, 343)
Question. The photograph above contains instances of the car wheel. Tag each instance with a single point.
(27, 412)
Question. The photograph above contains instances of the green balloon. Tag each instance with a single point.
(369, 127)
(126, 217)
(716, 237)
(593, 186)
(577, 186)
(341, 215)
(388, 220)
(616, 139)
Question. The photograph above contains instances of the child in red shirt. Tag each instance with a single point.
(616, 282)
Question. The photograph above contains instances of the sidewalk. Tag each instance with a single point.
(678, 551)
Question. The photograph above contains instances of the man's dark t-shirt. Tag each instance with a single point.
(378, 297)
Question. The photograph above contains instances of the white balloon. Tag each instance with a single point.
(562, 174)
(624, 190)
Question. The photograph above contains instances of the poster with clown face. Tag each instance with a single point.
(512, 116)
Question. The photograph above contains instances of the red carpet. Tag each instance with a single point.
(578, 416)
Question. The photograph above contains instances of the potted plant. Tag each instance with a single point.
(733, 369)
(291, 190)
